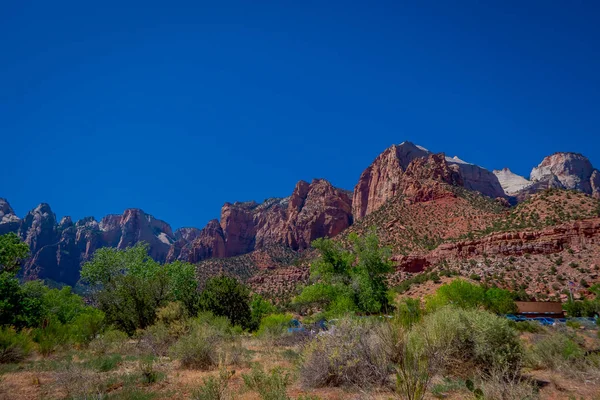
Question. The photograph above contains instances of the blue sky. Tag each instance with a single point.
(178, 107)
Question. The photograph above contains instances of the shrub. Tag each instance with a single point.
(111, 341)
(198, 349)
(87, 325)
(468, 339)
(214, 388)
(51, 337)
(499, 301)
(556, 351)
(157, 339)
(14, 346)
(408, 312)
(259, 308)
(526, 326)
(149, 373)
(351, 353)
(269, 386)
(274, 325)
(105, 363)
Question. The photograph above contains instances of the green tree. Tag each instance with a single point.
(12, 252)
(348, 280)
(499, 301)
(459, 293)
(227, 297)
(129, 286)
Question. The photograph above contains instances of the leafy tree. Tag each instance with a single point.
(259, 307)
(348, 280)
(129, 286)
(12, 251)
(499, 301)
(227, 297)
(459, 293)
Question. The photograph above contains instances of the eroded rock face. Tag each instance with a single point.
(382, 179)
(511, 182)
(312, 211)
(566, 171)
(9, 222)
(379, 182)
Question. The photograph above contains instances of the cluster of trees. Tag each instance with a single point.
(127, 288)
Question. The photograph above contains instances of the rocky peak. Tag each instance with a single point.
(65, 222)
(382, 179)
(511, 183)
(187, 234)
(7, 214)
(567, 171)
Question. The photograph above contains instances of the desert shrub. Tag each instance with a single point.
(414, 371)
(104, 363)
(408, 312)
(157, 339)
(526, 326)
(215, 388)
(79, 382)
(198, 349)
(14, 346)
(351, 353)
(111, 341)
(269, 386)
(52, 337)
(555, 351)
(468, 339)
(498, 385)
(146, 365)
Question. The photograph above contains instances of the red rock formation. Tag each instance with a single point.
(379, 182)
(574, 235)
(313, 210)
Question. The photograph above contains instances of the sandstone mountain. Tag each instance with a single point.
(59, 248)
(434, 212)
(381, 180)
(569, 171)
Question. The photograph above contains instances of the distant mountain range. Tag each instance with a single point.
(403, 174)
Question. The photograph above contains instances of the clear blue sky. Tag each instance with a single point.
(178, 107)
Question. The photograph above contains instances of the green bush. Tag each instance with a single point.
(458, 293)
(111, 341)
(274, 325)
(466, 339)
(408, 312)
(555, 351)
(269, 386)
(14, 346)
(259, 308)
(87, 325)
(345, 281)
(52, 337)
(198, 349)
(105, 363)
(214, 388)
(526, 326)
